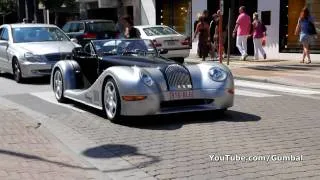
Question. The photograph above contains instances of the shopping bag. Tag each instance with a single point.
(264, 41)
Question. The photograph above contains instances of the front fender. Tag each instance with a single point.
(201, 79)
(129, 81)
(68, 68)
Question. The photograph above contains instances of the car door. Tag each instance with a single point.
(4, 43)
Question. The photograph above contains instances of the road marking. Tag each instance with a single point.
(253, 94)
(275, 87)
(49, 97)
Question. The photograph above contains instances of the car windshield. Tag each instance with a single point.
(97, 27)
(38, 34)
(158, 31)
(135, 47)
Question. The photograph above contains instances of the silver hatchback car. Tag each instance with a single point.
(31, 50)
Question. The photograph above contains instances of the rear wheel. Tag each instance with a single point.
(111, 100)
(58, 85)
(16, 71)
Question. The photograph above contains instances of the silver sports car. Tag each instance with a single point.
(31, 50)
(131, 78)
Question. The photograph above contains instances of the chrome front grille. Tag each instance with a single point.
(57, 57)
(178, 77)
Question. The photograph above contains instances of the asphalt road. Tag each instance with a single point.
(276, 124)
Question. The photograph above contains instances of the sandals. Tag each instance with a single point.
(308, 62)
(302, 61)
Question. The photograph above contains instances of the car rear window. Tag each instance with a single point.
(101, 27)
(157, 31)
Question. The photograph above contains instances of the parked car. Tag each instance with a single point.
(128, 77)
(164, 37)
(86, 30)
(31, 50)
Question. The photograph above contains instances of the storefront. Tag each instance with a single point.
(282, 43)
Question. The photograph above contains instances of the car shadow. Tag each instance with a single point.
(31, 81)
(174, 121)
(177, 121)
(109, 151)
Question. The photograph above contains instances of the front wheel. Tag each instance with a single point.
(16, 71)
(58, 86)
(111, 100)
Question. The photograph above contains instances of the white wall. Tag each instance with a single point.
(272, 48)
(148, 12)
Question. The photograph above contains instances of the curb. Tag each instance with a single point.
(265, 80)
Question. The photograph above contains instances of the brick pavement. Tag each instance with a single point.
(31, 152)
(178, 146)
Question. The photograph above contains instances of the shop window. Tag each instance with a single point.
(289, 15)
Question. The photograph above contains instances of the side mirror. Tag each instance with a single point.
(74, 40)
(78, 51)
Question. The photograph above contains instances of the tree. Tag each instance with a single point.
(54, 5)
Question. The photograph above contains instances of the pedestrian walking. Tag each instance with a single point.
(306, 29)
(204, 38)
(130, 31)
(242, 32)
(212, 27)
(217, 35)
(259, 32)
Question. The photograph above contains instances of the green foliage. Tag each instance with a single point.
(7, 6)
(56, 4)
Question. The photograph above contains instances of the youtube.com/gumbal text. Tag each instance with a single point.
(252, 158)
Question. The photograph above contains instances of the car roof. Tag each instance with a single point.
(17, 25)
(92, 20)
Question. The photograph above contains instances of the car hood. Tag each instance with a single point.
(41, 48)
(139, 61)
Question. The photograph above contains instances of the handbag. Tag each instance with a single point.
(311, 28)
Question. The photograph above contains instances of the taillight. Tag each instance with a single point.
(156, 44)
(89, 36)
(186, 42)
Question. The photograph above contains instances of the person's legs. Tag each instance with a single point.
(256, 49)
(244, 43)
(240, 45)
(260, 48)
(307, 52)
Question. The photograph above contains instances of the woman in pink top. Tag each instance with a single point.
(258, 33)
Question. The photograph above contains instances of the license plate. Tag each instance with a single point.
(176, 95)
(171, 43)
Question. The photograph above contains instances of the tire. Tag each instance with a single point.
(58, 86)
(111, 101)
(16, 71)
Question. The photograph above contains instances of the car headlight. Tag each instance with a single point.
(32, 58)
(217, 74)
(147, 80)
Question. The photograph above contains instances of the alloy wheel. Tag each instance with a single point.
(110, 100)
(58, 85)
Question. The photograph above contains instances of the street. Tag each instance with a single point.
(267, 120)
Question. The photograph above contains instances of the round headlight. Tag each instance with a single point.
(217, 74)
(147, 80)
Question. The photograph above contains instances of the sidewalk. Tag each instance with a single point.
(29, 151)
(283, 72)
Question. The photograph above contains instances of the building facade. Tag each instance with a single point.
(280, 17)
